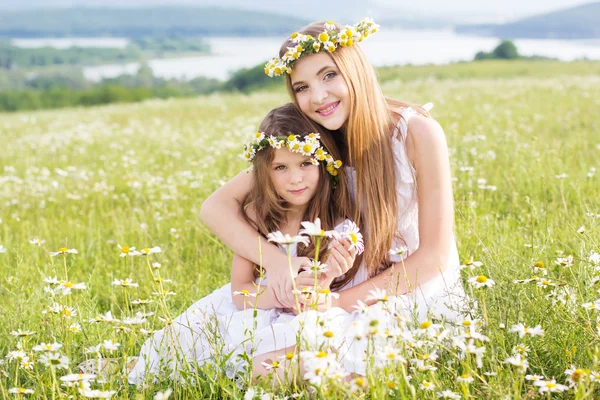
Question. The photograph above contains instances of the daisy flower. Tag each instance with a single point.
(63, 250)
(550, 386)
(534, 377)
(47, 347)
(471, 264)
(312, 229)
(163, 395)
(147, 251)
(376, 295)
(523, 330)
(317, 267)
(125, 251)
(124, 283)
(565, 261)
(280, 238)
(54, 360)
(110, 345)
(398, 251)
(464, 379)
(481, 281)
(575, 375)
(20, 390)
(2, 249)
(448, 394)
(426, 385)
(37, 241)
(20, 333)
(244, 293)
(97, 394)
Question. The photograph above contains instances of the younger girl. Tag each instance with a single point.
(294, 177)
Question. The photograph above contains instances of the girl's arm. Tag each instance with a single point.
(222, 213)
(426, 143)
(242, 280)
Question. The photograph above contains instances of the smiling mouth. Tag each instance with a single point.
(328, 109)
(299, 191)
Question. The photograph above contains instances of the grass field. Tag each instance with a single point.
(525, 149)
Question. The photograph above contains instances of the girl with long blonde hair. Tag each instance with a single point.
(397, 167)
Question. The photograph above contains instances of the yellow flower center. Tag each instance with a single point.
(21, 390)
(353, 238)
(359, 381)
(245, 292)
(550, 384)
(145, 250)
(63, 250)
(466, 323)
(465, 376)
(294, 35)
(481, 279)
(425, 325)
(289, 356)
(323, 37)
(307, 148)
(328, 334)
(68, 284)
(321, 354)
(391, 385)
(125, 249)
(539, 264)
(391, 356)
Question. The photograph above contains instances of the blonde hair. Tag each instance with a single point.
(328, 204)
(369, 128)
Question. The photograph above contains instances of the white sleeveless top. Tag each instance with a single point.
(408, 209)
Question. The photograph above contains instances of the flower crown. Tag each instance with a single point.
(329, 39)
(310, 146)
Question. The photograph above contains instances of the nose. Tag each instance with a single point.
(319, 94)
(296, 176)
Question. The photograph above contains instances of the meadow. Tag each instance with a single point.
(525, 153)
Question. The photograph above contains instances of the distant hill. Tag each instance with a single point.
(143, 22)
(582, 22)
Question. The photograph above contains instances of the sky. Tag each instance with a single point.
(471, 10)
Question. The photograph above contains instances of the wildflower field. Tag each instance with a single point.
(101, 242)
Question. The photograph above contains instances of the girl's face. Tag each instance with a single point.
(294, 177)
(321, 91)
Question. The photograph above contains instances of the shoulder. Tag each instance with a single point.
(424, 136)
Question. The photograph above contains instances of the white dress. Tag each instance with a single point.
(212, 328)
(442, 297)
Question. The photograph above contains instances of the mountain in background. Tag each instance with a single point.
(143, 22)
(581, 22)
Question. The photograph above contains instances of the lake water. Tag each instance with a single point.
(392, 47)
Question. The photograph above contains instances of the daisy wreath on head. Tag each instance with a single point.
(310, 146)
(329, 40)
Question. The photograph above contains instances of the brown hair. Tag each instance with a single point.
(328, 204)
(368, 140)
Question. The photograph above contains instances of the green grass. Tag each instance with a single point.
(137, 175)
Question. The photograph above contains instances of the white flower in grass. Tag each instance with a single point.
(426, 385)
(75, 328)
(575, 375)
(37, 241)
(521, 349)
(317, 267)
(104, 318)
(312, 229)
(471, 264)
(20, 390)
(448, 394)
(421, 363)
(481, 281)
(594, 258)
(95, 350)
(152, 250)
(63, 250)
(47, 347)
(53, 280)
(286, 239)
(594, 376)
(550, 386)
(534, 377)
(429, 328)
(156, 265)
(26, 364)
(97, 394)
(164, 293)
(464, 379)
(518, 361)
(2, 249)
(20, 333)
(377, 295)
(565, 261)
(163, 395)
(524, 330)
(388, 355)
(128, 251)
(110, 345)
(581, 229)
(358, 384)
(595, 305)
(124, 283)
(68, 312)
(54, 360)
(398, 251)
(244, 293)
(77, 377)
(65, 287)
(142, 301)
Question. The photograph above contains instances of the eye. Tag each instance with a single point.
(330, 75)
(300, 88)
(280, 168)
(306, 164)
